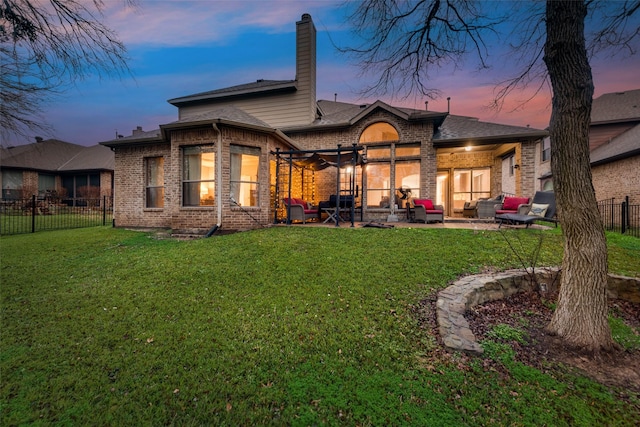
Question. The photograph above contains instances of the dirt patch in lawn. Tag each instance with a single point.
(529, 312)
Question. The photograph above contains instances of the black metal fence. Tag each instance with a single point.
(32, 214)
(621, 217)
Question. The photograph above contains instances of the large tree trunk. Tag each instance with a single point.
(581, 314)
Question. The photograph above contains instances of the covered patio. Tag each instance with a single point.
(344, 196)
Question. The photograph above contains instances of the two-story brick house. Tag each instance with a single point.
(217, 163)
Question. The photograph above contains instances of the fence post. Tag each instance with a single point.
(33, 213)
(626, 199)
(613, 215)
(104, 210)
(624, 215)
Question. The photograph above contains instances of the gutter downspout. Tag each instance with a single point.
(219, 173)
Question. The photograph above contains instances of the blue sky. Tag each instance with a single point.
(179, 48)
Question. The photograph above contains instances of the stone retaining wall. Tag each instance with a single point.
(470, 291)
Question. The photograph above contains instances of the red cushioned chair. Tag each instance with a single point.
(510, 205)
(300, 210)
(426, 211)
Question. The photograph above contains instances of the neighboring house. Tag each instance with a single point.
(614, 141)
(217, 164)
(49, 167)
(614, 144)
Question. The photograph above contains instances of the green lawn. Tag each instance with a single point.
(281, 326)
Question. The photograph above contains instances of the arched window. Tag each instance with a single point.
(391, 166)
(379, 132)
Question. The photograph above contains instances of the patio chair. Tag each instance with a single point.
(486, 208)
(541, 208)
(470, 209)
(426, 211)
(300, 210)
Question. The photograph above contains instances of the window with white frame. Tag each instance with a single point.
(198, 175)
(245, 166)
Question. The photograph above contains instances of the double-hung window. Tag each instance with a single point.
(245, 164)
(154, 182)
(198, 175)
(546, 149)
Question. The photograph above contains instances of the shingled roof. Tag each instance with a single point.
(96, 157)
(259, 87)
(54, 155)
(624, 145)
(228, 113)
(343, 114)
(469, 129)
(616, 107)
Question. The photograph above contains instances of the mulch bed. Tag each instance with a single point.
(530, 312)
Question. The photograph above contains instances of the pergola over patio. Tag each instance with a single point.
(316, 160)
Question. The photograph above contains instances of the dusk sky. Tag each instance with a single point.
(180, 48)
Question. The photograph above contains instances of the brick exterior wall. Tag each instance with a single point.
(617, 180)
(129, 182)
(29, 183)
(130, 210)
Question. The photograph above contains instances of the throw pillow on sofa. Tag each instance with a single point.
(427, 203)
(512, 203)
(538, 209)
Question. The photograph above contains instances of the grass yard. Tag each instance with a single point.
(281, 326)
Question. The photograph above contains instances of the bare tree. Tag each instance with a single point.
(581, 313)
(46, 46)
(405, 41)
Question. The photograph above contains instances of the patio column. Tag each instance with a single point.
(528, 168)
